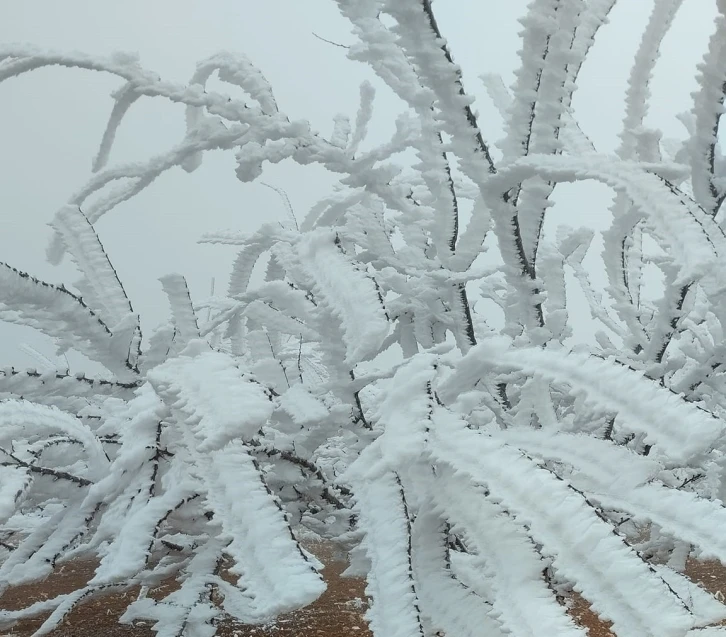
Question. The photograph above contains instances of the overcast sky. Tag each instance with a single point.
(51, 121)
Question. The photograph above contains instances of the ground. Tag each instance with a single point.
(711, 575)
(338, 613)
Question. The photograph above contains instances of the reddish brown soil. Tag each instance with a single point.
(711, 575)
(338, 613)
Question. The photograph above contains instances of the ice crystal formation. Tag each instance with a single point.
(478, 472)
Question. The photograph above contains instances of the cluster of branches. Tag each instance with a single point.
(476, 473)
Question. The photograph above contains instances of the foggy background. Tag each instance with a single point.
(51, 122)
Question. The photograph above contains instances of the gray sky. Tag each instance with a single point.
(51, 121)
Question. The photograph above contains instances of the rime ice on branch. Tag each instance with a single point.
(478, 470)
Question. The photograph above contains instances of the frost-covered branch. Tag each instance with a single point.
(415, 388)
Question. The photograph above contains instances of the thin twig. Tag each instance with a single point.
(58, 475)
(342, 46)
